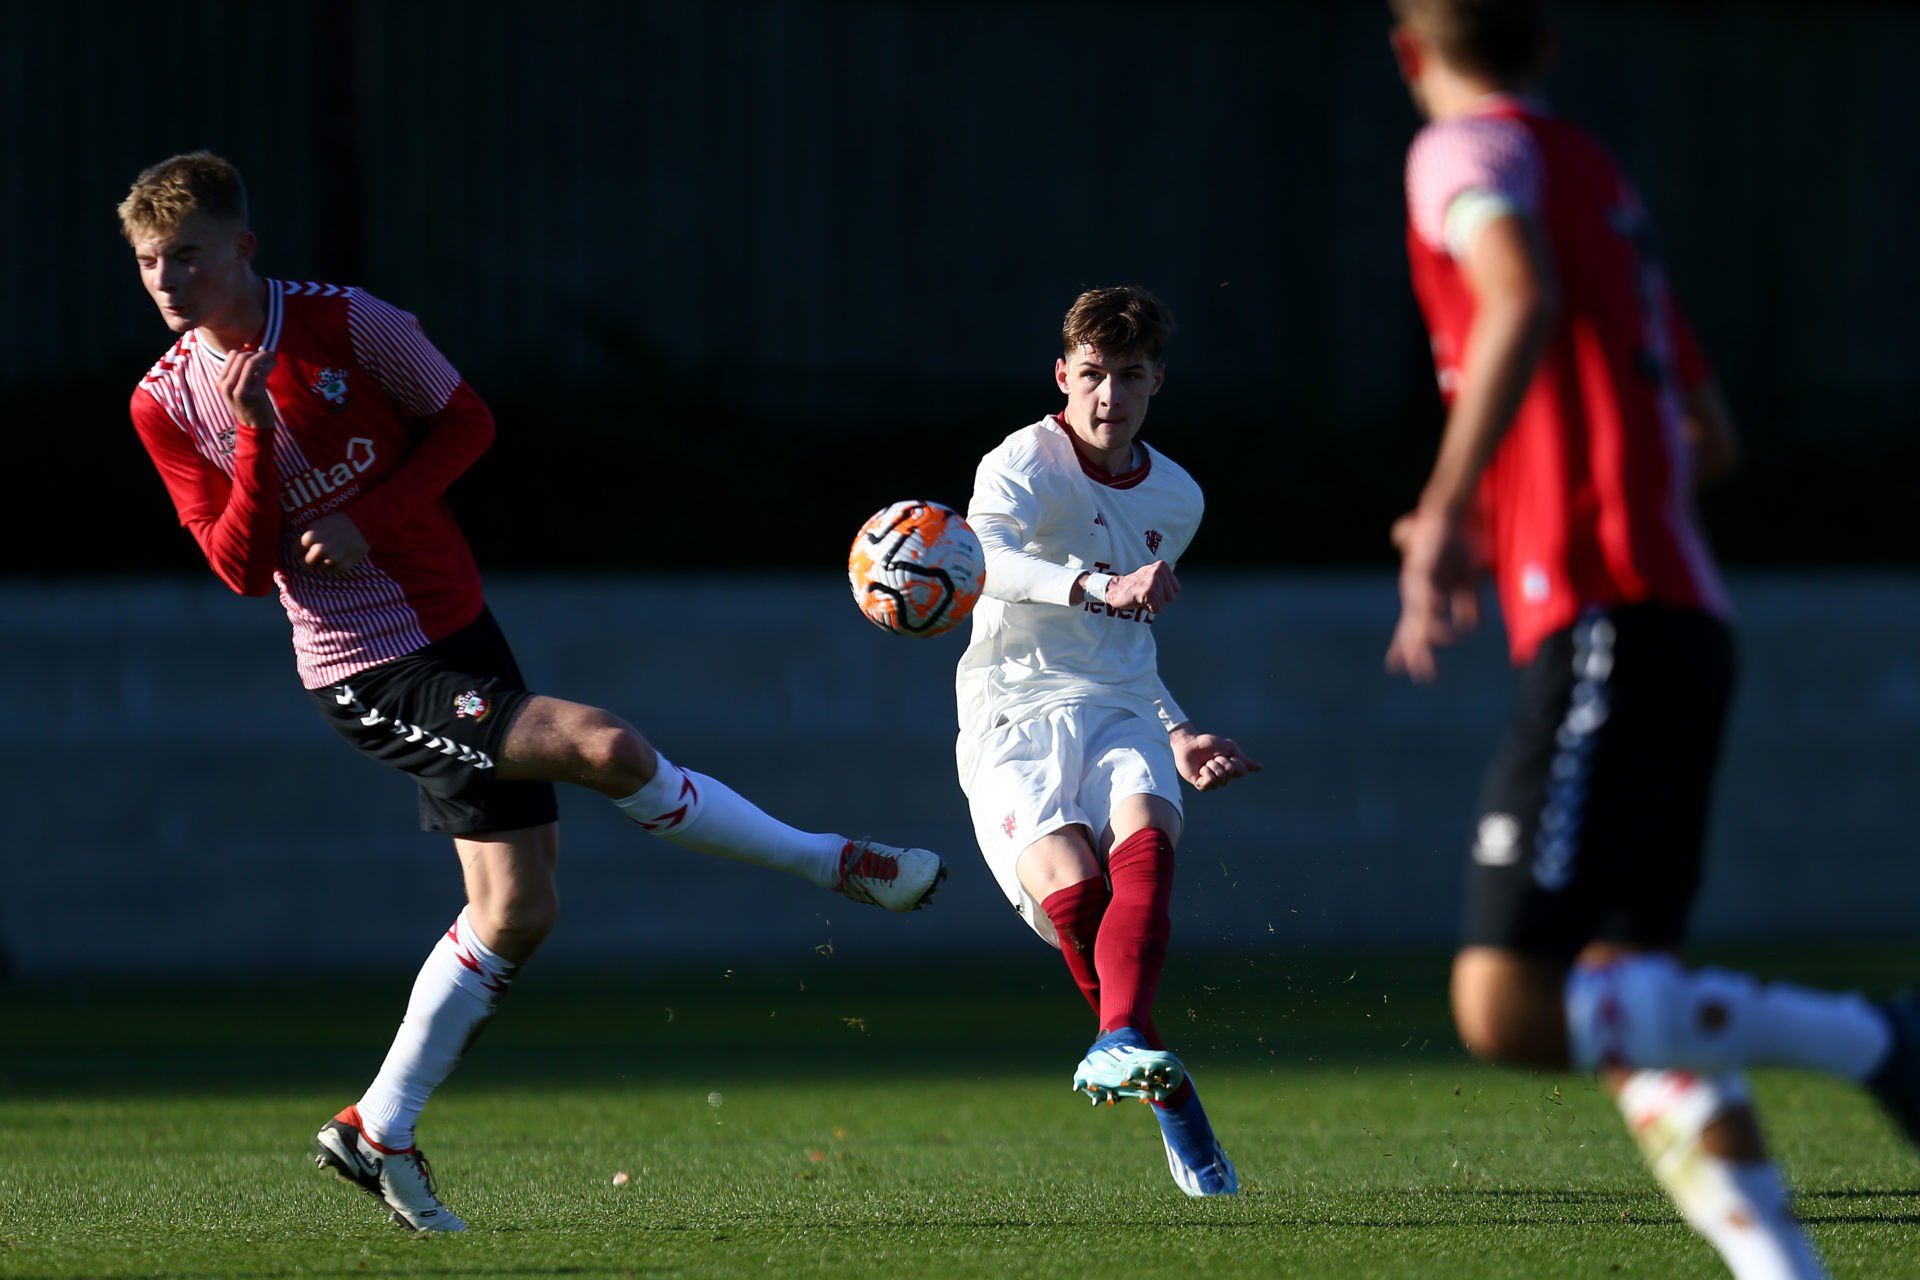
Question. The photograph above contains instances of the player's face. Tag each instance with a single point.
(1107, 399)
(198, 273)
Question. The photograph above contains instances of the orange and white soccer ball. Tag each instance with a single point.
(916, 569)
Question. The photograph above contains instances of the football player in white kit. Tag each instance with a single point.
(1071, 750)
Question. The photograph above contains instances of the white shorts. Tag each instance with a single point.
(1067, 767)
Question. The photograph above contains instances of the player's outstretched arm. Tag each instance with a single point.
(1208, 761)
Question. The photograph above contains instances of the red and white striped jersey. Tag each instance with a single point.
(372, 421)
(1589, 497)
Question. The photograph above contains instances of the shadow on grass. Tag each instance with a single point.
(996, 1014)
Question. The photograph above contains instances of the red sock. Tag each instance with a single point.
(1075, 912)
(1132, 947)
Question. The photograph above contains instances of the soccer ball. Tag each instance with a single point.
(916, 569)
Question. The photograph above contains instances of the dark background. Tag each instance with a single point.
(735, 274)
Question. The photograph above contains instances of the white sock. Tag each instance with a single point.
(457, 991)
(705, 815)
(1648, 1011)
(1741, 1207)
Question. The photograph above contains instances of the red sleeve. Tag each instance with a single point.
(236, 522)
(455, 438)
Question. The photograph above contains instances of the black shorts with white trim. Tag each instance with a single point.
(441, 714)
(1594, 810)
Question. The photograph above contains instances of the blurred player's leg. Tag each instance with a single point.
(1897, 1080)
(1649, 1011)
(1740, 1205)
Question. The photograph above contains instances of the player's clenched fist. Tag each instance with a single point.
(334, 544)
(1207, 760)
(244, 382)
(1152, 585)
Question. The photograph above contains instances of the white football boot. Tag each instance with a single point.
(897, 879)
(400, 1180)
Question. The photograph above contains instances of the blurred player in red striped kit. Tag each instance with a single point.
(1071, 751)
(1579, 413)
(307, 434)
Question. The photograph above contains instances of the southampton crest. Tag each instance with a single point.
(331, 385)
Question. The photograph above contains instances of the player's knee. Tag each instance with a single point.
(1624, 1014)
(1492, 1031)
(1505, 1012)
(521, 921)
(611, 754)
(1058, 861)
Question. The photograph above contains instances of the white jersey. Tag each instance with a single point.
(1043, 519)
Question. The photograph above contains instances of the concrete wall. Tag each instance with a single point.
(176, 806)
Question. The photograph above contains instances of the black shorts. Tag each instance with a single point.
(441, 714)
(1594, 812)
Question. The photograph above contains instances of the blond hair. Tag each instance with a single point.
(1503, 40)
(167, 194)
(1123, 320)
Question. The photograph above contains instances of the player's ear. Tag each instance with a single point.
(1060, 373)
(1159, 378)
(1406, 51)
(244, 244)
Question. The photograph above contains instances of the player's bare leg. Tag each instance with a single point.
(558, 741)
(512, 904)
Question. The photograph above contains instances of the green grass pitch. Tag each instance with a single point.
(829, 1116)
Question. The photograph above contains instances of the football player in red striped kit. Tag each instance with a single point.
(1579, 411)
(307, 434)
(1071, 751)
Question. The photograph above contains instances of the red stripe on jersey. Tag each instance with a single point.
(390, 344)
(1588, 499)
